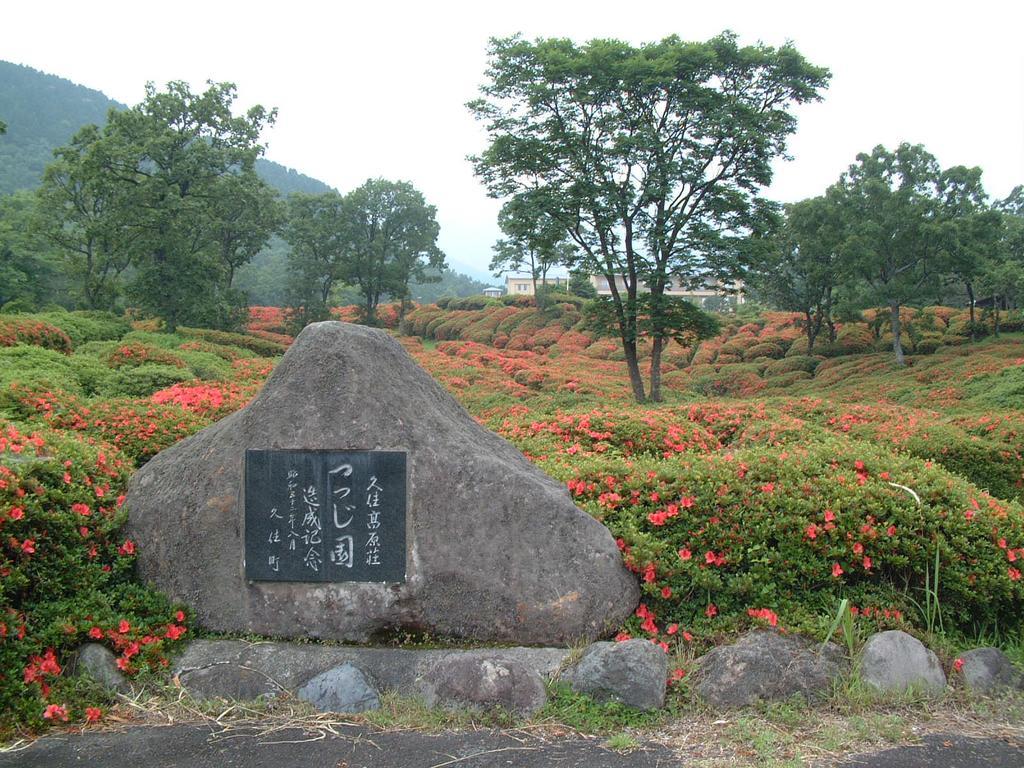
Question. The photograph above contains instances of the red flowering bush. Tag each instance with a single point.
(66, 572)
(134, 354)
(25, 329)
(797, 529)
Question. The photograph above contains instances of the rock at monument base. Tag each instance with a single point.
(633, 672)
(987, 670)
(767, 666)
(99, 662)
(461, 681)
(341, 689)
(496, 550)
(895, 662)
(235, 682)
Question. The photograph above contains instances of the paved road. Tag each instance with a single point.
(186, 746)
(190, 746)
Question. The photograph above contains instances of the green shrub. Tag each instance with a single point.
(792, 363)
(36, 365)
(763, 349)
(147, 379)
(257, 345)
(89, 325)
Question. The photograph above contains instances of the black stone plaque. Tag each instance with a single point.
(325, 515)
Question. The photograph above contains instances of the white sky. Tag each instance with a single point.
(378, 89)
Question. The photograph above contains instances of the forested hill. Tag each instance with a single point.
(43, 112)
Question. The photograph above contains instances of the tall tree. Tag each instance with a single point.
(390, 241)
(800, 269)
(895, 227)
(80, 214)
(244, 213)
(972, 229)
(29, 274)
(172, 153)
(534, 243)
(315, 230)
(650, 157)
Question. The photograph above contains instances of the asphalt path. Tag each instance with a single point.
(193, 746)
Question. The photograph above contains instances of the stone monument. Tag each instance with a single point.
(354, 498)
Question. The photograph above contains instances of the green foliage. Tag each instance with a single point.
(582, 713)
(86, 326)
(79, 374)
(148, 378)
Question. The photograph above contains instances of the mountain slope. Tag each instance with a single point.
(43, 112)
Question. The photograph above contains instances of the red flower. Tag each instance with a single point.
(685, 554)
(829, 515)
(28, 546)
(180, 616)
(128, 548)
(16, 513)
(711, 611)
(55, 712)
(123, 626)
(768, 488)
(92, 714)
(82, 509)
(174, 632)
(96, 633)
(1014, 574)
(837, 570)
(958, 665)
(672, 629)
(812, 531)
(666, 592)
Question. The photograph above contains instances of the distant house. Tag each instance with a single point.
(711, 293)
(492, 292)
(518, 285)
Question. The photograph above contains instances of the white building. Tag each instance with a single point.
(492, 292)
(519, 285)
(698, 296)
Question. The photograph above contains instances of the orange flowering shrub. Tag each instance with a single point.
(24, 329)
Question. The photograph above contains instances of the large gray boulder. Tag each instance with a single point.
(634, 673)
(765, 665)
(895, 662)
(495, 549)
(987, 670)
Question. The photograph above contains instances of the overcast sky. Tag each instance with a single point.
(379, 89)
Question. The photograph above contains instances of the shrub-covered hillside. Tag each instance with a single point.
(773, 484)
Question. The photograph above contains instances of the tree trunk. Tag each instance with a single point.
(970, 303)
(656, 348)
(897, 330)
(636, 381)
(996, 300)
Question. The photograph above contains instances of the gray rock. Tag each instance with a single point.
(496, 550)
(987, 670)
(462, 681)
(341, 689)
(633, 672)
(100, 664)
(764, 665)
(893, 662)
(235, 682)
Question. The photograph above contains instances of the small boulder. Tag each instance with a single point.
(893, 662)
(986, 670)
(236, 682)
(341, 689)
(633, 672)
(100, 664)
(482, 684)
(767, 666)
